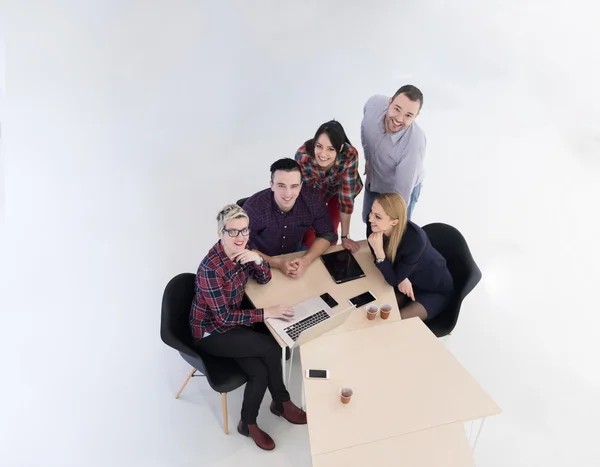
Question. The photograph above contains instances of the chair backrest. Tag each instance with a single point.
(240, 202)
(174, 323)
(453, 247)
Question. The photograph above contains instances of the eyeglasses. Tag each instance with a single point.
(236, 232)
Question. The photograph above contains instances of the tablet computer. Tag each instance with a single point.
(342, 266)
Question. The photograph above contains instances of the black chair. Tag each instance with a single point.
(223, 374)
(240, 202)
(453, 246)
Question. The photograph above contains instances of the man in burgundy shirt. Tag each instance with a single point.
(280, 216)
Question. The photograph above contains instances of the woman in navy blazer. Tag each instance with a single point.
(407, 260)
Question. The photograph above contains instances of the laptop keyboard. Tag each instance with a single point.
(295, 329)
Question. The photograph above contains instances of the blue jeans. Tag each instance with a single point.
(414, 197)
(370, 196)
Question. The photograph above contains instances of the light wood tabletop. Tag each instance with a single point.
(283, 290)
(404, 380)
(445, 446)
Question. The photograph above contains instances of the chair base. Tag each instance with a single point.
(223, 400)
(225, 414)
(187, 380)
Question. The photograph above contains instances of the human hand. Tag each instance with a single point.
(350, 244)
(280, 312)
(286, 266)
(406, 288)
(376, 242)
(299, 266)
(246, 256)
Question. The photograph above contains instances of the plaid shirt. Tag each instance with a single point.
(274, 232)
(342, 179)
(220, 285)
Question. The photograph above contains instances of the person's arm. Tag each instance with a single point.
(300, 155)
(364, 144)
(350, 187)
(211, 285)
(257, 224)
(325, 236)
(368, 106)
(318, 247)
(324, 233)
(274, 262)
(261, 273)
(345, 222)
(406, 170)
(407, 258)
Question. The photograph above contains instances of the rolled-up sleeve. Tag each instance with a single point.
(322, 221)
(351, 184)
(260, 273)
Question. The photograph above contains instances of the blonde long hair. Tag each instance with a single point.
(394, 206)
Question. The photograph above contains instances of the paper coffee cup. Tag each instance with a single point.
(346, 394)
(385, 310)
(371, 312)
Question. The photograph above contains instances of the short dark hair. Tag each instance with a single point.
(286, 164)
(412, 92)
(336, 133)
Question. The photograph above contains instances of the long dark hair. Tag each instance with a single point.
(336, 133)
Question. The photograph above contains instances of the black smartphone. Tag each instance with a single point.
(362, 299)
(317, 374)
(329, 300)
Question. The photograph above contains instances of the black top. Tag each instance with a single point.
(416, 259)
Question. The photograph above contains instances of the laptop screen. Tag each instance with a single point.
(342, 266)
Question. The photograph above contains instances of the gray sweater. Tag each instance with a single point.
(394, 161)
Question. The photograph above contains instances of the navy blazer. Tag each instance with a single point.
(417, 259)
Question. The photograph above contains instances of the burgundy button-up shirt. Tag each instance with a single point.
(275, 232)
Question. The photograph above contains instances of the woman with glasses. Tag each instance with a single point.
(222, 328)
(329, 164)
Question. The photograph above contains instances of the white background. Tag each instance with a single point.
(129, 124)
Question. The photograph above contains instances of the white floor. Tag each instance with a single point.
(131, 123)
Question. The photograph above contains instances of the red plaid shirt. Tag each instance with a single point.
(220, 285)
(342, 179)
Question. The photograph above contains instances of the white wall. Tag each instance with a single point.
(129, 124)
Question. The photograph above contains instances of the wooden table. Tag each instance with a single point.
(411, 396)
(283, 290)
(445, 446)
(404, 381)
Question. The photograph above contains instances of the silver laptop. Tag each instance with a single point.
(313, 317)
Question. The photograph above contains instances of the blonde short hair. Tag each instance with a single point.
(230, 212)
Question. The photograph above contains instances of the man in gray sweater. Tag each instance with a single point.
(394, 147)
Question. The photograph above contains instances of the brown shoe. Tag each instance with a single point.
(262, 439)
(291, 413)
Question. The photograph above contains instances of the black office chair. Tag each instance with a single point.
(223, 374)
(240, 202)
(453, 246)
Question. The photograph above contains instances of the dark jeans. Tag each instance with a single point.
(259, 356)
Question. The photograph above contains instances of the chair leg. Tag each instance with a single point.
(225, 415)
(187, 380)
